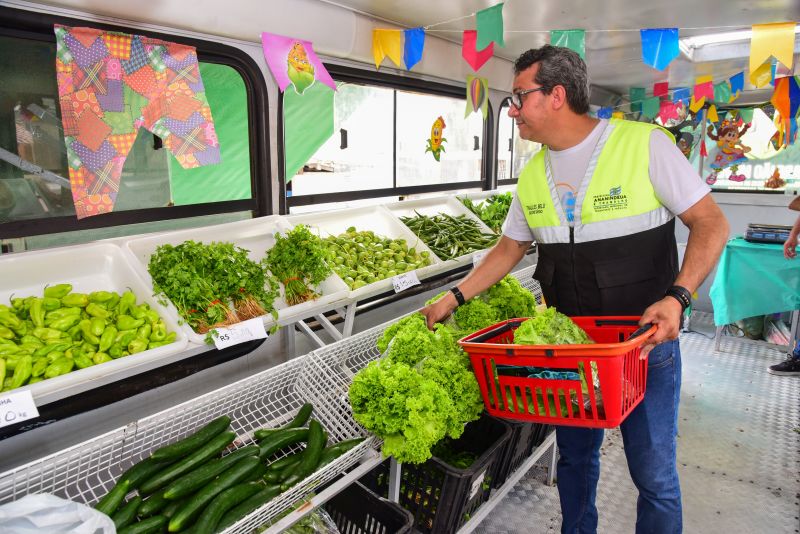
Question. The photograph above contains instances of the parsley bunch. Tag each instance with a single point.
(493, 211)
(214, 284)
(298, 260)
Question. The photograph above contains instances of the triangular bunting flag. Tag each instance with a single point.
(776, 39)
(746, 114)
(618, 115)
(762, 76)
(489, 24)
(737, 85)
(636, 97)
(651, 107)
(712, 113)
(696, 105)
(477, 95)
(572, 39)
(704, 90)
(661, 89)
(475, 58)
(659, 46)
(667, 111)
(604, 113)
(703, 150)
(722, 92)
(293, 61)
(414, 44)
(387, 43)
(681, 95)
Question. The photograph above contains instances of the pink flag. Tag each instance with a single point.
(475, 58)
(661, 89)
(293, 61)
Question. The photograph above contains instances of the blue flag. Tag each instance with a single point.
(659, 46)
(415, 42)
(604, 113)
(681, 95)
(737, 83)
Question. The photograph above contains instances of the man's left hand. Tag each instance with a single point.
(666, 314)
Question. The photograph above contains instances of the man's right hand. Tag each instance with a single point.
(439, 310)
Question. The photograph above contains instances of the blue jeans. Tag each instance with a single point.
(648, 435)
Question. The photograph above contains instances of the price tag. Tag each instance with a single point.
(477, 258)
(403, 281)
(16, 407)
(240, 332)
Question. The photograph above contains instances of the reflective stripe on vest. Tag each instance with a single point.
(615, 198)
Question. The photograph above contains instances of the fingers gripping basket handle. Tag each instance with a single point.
(641, 330)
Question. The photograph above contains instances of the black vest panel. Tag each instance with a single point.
(615, 276)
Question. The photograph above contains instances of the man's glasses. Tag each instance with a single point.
(516, 98)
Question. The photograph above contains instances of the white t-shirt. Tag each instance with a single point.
(676, 183)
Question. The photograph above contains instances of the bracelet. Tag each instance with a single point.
(681, 294)
(458, 295)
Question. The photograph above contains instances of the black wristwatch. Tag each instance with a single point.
(681, 294)
(458, 295)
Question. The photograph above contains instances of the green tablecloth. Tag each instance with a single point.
(754, 279)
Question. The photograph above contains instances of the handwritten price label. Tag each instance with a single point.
(16, 407)
(477, 258)
(401, 282)
(239, 333)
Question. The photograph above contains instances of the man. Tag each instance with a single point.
(790, 366)
(613, 252)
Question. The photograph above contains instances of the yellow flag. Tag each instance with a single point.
(712, 113)
(387, 43)
(618, 115)
(703, 79)
(762, 75)
(776, 39)
(695, 105)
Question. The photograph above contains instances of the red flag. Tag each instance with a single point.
(703, 151)
(475, 58)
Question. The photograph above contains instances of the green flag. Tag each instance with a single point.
(651, 106)
(746, 114)
(722, 92)
(489, 23)
(572, 39)
(307, 124)
(636, 96)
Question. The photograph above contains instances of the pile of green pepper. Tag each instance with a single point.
(450, 236)
(44, 337)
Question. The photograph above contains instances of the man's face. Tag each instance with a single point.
(531, 118)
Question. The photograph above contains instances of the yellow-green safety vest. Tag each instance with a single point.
(615, 197)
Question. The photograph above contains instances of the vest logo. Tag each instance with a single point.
(615, 200)
(535, 209)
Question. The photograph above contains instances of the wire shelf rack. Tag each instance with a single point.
(87, 471)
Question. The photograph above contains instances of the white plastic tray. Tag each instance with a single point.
(88, 268)
(257, 236)
(434, 206)
(380, 221)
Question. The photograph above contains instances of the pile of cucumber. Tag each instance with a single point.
(190, 486)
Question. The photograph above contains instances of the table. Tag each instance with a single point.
(754, 279)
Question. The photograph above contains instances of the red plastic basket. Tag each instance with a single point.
(612, 365)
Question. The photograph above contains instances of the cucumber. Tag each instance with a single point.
(194, 480)
(256, 501)
(153, 505)
(210, 449)
(331, 453)
(211, 516)
(257, 474)
(170, 509)
(185, 515)
(299, 420)
(191, 443)
(276, 476)
(127, 513)
(109, 504)
(311, 456)
(279, 464)
(151, 524)
(141, 471)
(279, 440)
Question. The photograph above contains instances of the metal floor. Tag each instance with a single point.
(738, 451)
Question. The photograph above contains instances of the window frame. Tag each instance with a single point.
(39, 27)
(507, 181)
(397, 83)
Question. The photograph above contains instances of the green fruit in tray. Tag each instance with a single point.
(361, 258)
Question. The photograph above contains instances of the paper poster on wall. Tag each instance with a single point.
(729, 152)
(293, 61)
(435, 142)
(477, 95)
(112, 83)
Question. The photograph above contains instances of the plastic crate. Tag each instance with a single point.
(442, 497)
(611, 392)
(357, 510)
(524, 438)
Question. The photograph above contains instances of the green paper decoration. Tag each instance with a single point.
(308, 123)
(722, 92)
(572, 39)
(489, 23)
(636, 96)
(651, 106)
(746, 114)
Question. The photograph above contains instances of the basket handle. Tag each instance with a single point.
(496, 331)
(641, 330)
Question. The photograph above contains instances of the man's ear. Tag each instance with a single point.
(559, 97)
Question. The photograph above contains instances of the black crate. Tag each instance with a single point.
(356, 510)
(525, 437)
(442, 497)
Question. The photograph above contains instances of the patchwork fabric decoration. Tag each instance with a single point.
(110, 84)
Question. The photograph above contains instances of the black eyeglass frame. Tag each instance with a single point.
(519, 94)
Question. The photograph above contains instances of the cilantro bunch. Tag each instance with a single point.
(299, 261)
(493, 211)
(212, 285)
